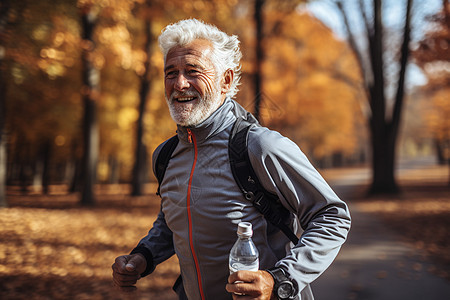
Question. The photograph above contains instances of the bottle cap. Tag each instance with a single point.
(245, 229)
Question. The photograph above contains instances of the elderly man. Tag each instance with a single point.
(201, 203)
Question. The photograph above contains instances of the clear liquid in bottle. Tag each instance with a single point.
(244, 254)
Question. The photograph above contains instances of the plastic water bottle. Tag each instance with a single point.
(244, 255)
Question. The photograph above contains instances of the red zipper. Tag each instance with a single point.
(192, 139)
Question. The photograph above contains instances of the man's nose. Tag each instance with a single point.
(181, 83)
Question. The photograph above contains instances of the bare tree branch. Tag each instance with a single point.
(354, 47)
(403, 64)
(376, 58)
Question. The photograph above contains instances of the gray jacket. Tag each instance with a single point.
(201, 206)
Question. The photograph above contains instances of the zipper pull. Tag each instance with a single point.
(189, 135)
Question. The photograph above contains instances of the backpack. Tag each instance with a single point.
(265, 202)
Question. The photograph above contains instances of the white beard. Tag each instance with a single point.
(191, 114)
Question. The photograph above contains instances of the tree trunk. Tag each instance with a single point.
(3, 150)
(383, 129)
(3, 137)
(259, 57)
(439, 151)
(4, 12)
(383, 162)
(140, 165)
(24, 175)
(114, 170)
(74, 182)
(38, 170)
(46, 155)
(90, 91)
(3, 168)
(40, 182)
(383, 179)
(385, 132)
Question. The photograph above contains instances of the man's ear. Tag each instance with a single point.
(227, 80)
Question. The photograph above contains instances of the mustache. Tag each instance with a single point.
(177, 94)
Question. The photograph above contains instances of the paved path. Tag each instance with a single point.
(374, 264)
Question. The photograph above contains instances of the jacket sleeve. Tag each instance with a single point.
(157, 246)
(284, 170)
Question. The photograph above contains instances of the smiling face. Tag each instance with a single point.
(193, 91)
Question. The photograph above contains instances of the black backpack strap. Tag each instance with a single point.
(163, 160)
(266, 203)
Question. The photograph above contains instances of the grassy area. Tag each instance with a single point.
(53, 249)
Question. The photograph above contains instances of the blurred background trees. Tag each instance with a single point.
(432, 54)
(81, 90)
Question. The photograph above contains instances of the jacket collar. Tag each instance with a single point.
(218, 121)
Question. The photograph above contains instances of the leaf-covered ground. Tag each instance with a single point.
(53, 249)
(420, 213)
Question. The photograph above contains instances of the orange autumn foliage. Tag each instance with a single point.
(314, 77)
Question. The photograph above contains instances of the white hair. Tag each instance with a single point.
(226, 53)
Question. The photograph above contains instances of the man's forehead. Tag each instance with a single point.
(199, 50)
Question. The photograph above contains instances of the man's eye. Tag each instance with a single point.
(193, 72)
(171, 74)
